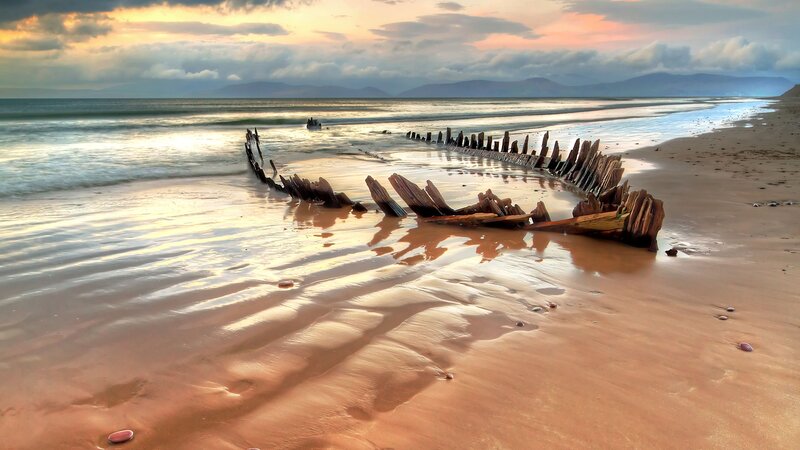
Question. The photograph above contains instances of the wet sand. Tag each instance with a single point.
(640, 360)
(161, 319)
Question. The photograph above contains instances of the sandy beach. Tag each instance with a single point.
(639, 359)
(174, 326)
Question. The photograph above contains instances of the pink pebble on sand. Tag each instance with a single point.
(745, 347)
(118, 437)
(285, 284)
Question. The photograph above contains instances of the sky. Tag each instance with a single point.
(389, 44)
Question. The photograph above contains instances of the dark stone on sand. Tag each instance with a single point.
(118, 437)
(552, 305)
(730, 309)
(358, 207)
(536, 308)
(672, 252)
(519, 324)
(745, 347)
(448, 376)
(285, 284)
(773, 204)
(722, 317)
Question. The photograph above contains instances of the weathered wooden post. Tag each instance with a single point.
(439, 139)
(543, 153)
(514, 148)
(460, 139)
(480, 140)
(489, 143)
(383, 199)
(473, 141)
(554, 159)
(449, 137)
(506, 141)
(525, 145)
(496, 146)
(428, 137)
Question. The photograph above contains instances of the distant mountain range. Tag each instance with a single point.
(267, 89)
(653, 85)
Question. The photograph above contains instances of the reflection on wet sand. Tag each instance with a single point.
(306, 215)
(187, 291)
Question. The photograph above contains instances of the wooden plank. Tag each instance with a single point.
(383, 199)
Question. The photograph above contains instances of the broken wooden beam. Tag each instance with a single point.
(416, 198)
(383, 199)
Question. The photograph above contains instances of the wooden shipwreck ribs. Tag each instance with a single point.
(609, 209)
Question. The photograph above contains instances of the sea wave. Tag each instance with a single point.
(102, 120)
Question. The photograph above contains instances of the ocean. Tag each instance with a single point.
(56, 145)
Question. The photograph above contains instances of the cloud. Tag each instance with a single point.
(57, 31)
(20, 9)
(738, 53)
(34, 44)
(664, 12)
(359, 64)
(437, 29)
(656, 56)
(160, 71)
(201, 28)
(333, 36)
(450, 6)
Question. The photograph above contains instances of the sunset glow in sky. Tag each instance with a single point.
(391, 44)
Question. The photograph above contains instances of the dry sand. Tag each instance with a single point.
(355, 354)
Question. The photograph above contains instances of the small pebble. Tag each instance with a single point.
(722, 317)
(672, 252)
(552, 305)
(448, 376)
(118, 437)
(745, 347)
(756, 205)
(285, 284)
(519, 324)
(730, 309)
(536, 308)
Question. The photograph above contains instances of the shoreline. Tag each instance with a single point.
(647, 363)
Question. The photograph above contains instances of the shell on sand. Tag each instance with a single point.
(118, 437)
(745, 347)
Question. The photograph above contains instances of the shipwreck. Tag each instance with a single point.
(609, 209)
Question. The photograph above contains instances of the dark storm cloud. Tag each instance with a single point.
(663, 12)
(12, 10)
(200, 28)
(451, 28)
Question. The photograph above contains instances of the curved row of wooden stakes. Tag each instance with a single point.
(608, 211)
